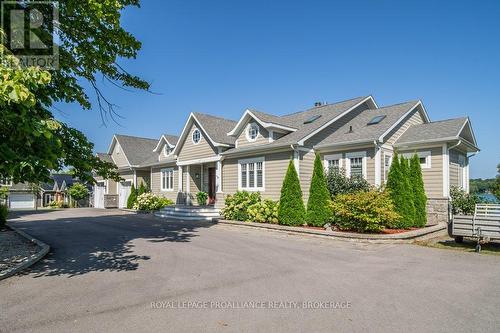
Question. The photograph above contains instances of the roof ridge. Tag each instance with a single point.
(212, 116)
(135, 137)
(324, 105)
(413, 101)
(443, 120)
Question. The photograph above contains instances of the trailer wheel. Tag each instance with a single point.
(478, 248)
(459, 239)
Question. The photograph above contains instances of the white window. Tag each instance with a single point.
(387, 164)
(252, 132)
(196, 136)
(251, 174)
(333, 161)
(424, 156)
(166, 150)
(5, 182)
(356, 164)
(167, 179)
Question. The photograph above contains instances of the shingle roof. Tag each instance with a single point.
(138, 150)
(172, 139)
(105, 157)
(216, 127)
(361, 131)
(432, 131)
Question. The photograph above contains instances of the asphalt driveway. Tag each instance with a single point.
(111, 271)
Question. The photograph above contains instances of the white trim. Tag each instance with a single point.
(271, 136)
(467, 121)
(218, 177)
(135, 179)
(114, 141)
(426, 153)
(200, 160)
(296, 161)
(192, 136)
(179, 176)
(378, 166)
(188, 180)
(247, 131)
(331, 157)
(236, 130)
(160, 141)
(446, 171)
(382, 137)
(166, 171)
(301, 141)
(386, 153)
(254, 161)
(356, 154)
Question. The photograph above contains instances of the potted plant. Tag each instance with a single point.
(202, 198)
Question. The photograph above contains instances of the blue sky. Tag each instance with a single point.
(221, 57)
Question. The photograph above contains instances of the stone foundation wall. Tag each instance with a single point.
(437, 210)
(110, 201)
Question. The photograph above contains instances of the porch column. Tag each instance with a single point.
(179, 176)
(202, 180)
(218, 177)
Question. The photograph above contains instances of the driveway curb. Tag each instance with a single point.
(383, 238)
(31, 260)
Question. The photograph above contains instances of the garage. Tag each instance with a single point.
(21, 201)
(99, 190)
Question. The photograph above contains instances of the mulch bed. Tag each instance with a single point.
(14, 249)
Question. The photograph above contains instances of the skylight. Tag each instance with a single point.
(376, 120)
(312, 119)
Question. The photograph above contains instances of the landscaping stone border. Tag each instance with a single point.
(384, 238)
(31, 260)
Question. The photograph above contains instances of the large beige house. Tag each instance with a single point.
(221, 156)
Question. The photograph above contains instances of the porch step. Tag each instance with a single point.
(188, 213)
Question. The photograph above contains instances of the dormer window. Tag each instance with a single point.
(196, 136)
(166, 150)
(252, 132)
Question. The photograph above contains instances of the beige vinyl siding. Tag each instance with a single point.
(111, 184)
(194, 182)
(413, 118)
(455, 169)
(262, 138)
(191, 151)
(324, 134)
(370, 160)
(275, 166)
(156, 183)
(306, 166)
(433, 176)
(384, 152)
(118, 156)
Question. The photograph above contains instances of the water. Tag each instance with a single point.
(487, 197)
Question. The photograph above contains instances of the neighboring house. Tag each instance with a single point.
(26, 196)
(222, 156)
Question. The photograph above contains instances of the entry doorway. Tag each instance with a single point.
(211, 186)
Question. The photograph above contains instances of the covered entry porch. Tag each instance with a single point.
(202, 175)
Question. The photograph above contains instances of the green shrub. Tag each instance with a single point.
(419, 197)
(58, 204)
(142, 189)
(78, 192)
(318, 210)
(463, 202)
(405, 170)
(149, 201)
(132, 197)
(398, 186)
(291, 209)
(264, 211)
(364, 211)
(339, 183)
(3, 215)
(236, 205)
(202, 198)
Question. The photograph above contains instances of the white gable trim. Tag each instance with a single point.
(192, 118)
(467, 122)
(158, 145)
(114, 141)
(426, 119)
(310, 135)
(240, 125)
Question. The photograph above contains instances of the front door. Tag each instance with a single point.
(211, 186)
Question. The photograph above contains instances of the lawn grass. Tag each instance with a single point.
(469, 245)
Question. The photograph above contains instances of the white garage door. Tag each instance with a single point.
(99, 190)
(124, 189)
(21, 201)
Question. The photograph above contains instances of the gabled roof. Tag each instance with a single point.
(137, 150)
(105, 157)
(362, 132)
(443, 130)
(268, 121)
(170, 139)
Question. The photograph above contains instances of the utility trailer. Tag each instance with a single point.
(484, 225)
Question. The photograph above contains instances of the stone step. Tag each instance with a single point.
(189, 209)
(185, 218)
(189, 214)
